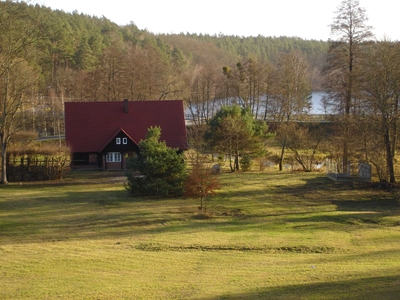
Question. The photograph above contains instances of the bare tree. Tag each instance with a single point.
(251, 81)
(201, 96)
(350, 34)
(201, 184)
(304, 139)
(18, 31)
(249, 84)
(292, 95)
(112, 71)
(381, 84)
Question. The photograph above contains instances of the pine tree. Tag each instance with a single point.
(162, 169)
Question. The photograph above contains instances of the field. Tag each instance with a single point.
(270, 235)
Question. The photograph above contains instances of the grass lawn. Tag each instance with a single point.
(271, 236)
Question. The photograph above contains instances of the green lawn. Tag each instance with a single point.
(271, 236)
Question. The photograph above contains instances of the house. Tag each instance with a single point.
(103, 134)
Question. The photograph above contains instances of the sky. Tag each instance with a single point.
(307, 19)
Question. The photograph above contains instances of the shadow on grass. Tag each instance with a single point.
(83, 215)
(66, 210)
(372, 204)
(73, 178)
(315, 201)
(363, 197)
(357, 203)
(385, 287)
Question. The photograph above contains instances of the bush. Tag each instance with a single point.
(29, 160)
(246, 162)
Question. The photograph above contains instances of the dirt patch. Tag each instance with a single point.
(155, 247)
(236, 212)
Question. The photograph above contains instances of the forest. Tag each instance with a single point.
(48, 57)
(82, 58)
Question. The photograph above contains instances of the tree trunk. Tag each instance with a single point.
(236, 162)
(389, 158)
(345, 168)
(394, 130)
(281, 159)
(4, 163)
(230, 162)
(345, 158)
(237, 158)
(299, 159)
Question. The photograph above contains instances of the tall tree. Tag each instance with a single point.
(249, 84)
(253, 84)
(292, 95)
(201, 101)
(381, 84)
(19, 30)
(201, 97)
(112, 70)
(350, 33)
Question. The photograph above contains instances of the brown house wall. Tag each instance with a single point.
(114, 166)
(117, 165)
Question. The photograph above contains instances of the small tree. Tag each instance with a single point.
(162, 169)
(201, 184)
(234, 132)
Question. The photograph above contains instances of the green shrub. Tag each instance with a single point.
(246, 162)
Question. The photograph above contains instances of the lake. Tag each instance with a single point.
(316, 101)
(317, 107)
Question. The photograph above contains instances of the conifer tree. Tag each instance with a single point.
(162, 169)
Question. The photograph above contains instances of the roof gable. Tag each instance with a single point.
(89, 126)
(110, 140)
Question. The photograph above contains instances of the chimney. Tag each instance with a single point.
(126, 106)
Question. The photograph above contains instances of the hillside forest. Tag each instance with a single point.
(48, 57)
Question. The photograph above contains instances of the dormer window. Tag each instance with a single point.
(124, 141)
(118, 141)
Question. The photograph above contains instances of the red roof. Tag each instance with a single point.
(89, 125)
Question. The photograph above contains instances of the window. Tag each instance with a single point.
(113, 157)
(124, 141)
(118, 141)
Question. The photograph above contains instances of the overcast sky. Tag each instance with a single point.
(308, 19)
